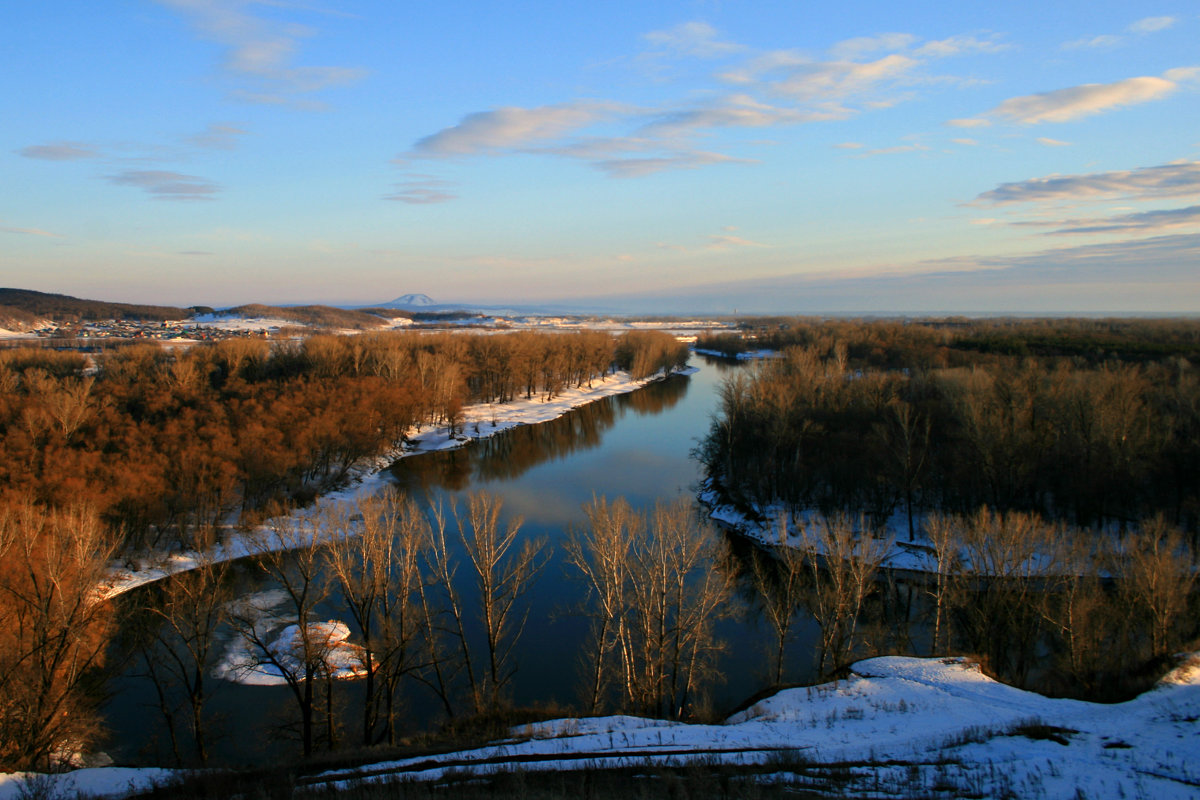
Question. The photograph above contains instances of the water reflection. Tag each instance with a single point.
(508, 456)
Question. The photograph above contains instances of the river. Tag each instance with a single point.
(637, 446)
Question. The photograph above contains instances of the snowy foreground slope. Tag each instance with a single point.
(901, 724)
(895, 727)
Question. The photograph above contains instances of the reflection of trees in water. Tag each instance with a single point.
(511, 454)
(655, 398)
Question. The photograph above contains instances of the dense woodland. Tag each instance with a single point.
(1052, 468)
(144, 447)
(1071, 420)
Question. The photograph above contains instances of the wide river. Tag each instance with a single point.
(637, 446)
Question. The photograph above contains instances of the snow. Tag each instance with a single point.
(96, 782)
(748, 355)
(243, 664)
(230, 323)
(906, 725)
(941, 718)
(480, 421)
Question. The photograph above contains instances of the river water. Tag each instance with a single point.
(637, 446)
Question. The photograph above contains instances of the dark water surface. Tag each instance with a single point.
(637, 446)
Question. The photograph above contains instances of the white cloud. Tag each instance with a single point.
(849, 145)
(1046, 140)
(965, 142)
(164, 185)
(1152, 24)
(864, 45)
(1093, 42)
(263, 52)
(1176, 179)
(510, 128)
(1183, 74)
(837, 80)
(59, 151)
(737, 111)
(697, 39)
(970, 122)
(961, 45)
(1064, 105)
(640, 167)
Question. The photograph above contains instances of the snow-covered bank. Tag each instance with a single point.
(917, 556)
(479, 421)
(895, 727)
(746, 355)
(904, 723)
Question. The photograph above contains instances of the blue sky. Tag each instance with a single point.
(765, 156)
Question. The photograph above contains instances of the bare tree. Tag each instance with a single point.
(1157, 578)
(676, 595)
(291, 556)
(780, 580)
(184, 618)
(842, 567)
(54, 634)
(942, 531)
(503, 581)
(377, 568)
(601, 552)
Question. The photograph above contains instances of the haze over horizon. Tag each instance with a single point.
(686, 156)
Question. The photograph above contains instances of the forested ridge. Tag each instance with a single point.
(65, 308)
(143, 447)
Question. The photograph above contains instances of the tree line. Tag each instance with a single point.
(1040, 605)
(1093, 444)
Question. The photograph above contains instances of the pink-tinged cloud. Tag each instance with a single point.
(1064, 105)
(510, 128)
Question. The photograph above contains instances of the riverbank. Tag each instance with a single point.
(893, 727)
(479, 421)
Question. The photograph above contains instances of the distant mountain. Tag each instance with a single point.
(411, 301)
(63, 308)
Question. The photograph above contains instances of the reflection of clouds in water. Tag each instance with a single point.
(539, 506)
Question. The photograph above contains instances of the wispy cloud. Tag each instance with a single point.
(729, 241)
(1064, 105)
(640, 167)
(510, 128)
(1076, 102)
(759, 90)
(422, 189)
(30, 232)
(59, 151)
(1176, 179)
(219, 136)
(697, 39)
(892, 150)
(1152, 24)
(1048, 142)
(1140, 222)
(1093, 42)
(165, 185)
(262, 52)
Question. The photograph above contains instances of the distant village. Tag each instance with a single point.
(183, 331)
